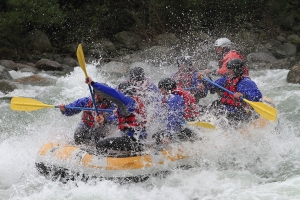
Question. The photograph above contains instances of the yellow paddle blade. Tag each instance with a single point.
(202, 124)
(263, 109)
(80, 57)
(27, 104)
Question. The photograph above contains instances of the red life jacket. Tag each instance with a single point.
(190, 110)
(184, 78)
(229, 56)
(137, 119)
(88, 117)
(228, 99)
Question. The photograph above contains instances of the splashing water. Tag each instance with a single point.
(227, 165)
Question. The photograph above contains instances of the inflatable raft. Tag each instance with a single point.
(69, 162)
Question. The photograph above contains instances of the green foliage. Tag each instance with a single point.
(19, 17)
(68, 21)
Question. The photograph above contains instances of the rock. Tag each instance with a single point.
(294, 39)
(35, 80)
(260, 57)
(20, 66)
(8, 64)
(294, 75)
(279, 64)
(129, 40)
(286, 50)
(105, 45)
(114, 70)
(166, 40)
(48, 65)
(158, 55)
(4, 74)
(38, 40)
(70, 62)
(70, 48)
(281, 38)
(6, 86)
(29, 69)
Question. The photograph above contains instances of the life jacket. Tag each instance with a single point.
(133, 120)
(228, 99)
(229, 56)
(142, 87)
(184, 78)
(88, 117)
(190, 110)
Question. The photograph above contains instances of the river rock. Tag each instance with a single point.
(35, 80)
(8, 64)
(39, 41)
(48, 65)
(7, 86)
(286, 50)
(167, 40)
(294, 75)
(129, 40)
(114, 70)
(261, 57)
(4, 74)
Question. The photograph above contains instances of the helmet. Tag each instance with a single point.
(222, 42)
(137, 74)
(127, 88)
(236, 65)
(185, 60)
(168, 83)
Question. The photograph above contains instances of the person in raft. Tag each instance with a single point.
(187, 78)
(225, 53)
(145, 88)
(130, 117)
(93, 126)
(178, 106)
(232, 106)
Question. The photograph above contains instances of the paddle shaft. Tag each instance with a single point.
(80, 57)
(92, 109)
(219, 86)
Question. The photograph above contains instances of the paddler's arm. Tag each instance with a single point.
(82, 102)
(125, 103)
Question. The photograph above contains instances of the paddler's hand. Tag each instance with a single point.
(238, 95)
(115, 111)
(100, 119)
(88, 80)
(200, 75)
(62, 107)
(166, 140)
(201, 87)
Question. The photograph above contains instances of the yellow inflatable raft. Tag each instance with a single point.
(70, 162)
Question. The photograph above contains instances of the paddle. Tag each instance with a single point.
(201, 124)
(80, 57)
(261, 108)
(190, 88)
(28, 104)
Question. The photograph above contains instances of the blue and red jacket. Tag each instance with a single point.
(190, 107)
(130, 111)
(88, 117)
(188, 79)
(173, 108)
(243, 85)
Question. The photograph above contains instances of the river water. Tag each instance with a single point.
(262, 165)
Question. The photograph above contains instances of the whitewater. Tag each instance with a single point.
(262, 165)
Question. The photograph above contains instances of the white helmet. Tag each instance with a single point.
(222, 42)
